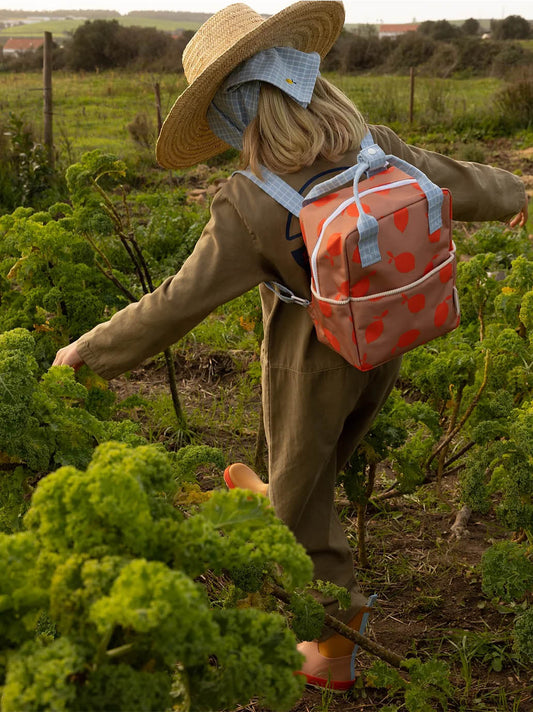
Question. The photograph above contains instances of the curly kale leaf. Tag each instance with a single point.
(523, 634)
(474, 481)
(189, 458)
(477, 285)
(507, 571)
(107, 508)
(129, 689)
(164, 605)
(508, 351)
(332, 591)
(521, 275)
(43, 423)
(76, 584)
(18, 369)
(13, 499)
(408, 460)
(526, 313)
(429, 683)
(94, 166)
(249, 576)
(21, 594)
(512, 477)
(38, 677)
(435, 367)
(51, 283)
(269, 670)
(253, 533)
(307, 616)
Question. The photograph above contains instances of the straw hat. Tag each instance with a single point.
(224, 41)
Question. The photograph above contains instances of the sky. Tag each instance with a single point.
(388, 11)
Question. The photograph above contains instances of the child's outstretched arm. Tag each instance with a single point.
(479, 192)
(225, 263)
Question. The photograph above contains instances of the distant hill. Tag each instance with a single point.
(25, 14)
(197, 17)
(61, 23)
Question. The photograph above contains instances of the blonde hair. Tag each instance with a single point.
(284, 136)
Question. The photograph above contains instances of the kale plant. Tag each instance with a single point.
(43, 422)
(118, 572)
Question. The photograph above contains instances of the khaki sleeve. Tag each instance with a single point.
(225, 263)
(479, 192)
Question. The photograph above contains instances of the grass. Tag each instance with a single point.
(90, 110)
(438, 103)
(94, 110)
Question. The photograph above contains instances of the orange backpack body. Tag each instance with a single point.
(381, 256)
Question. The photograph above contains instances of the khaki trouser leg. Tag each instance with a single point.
(313, 422)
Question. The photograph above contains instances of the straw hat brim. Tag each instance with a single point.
(185, 138)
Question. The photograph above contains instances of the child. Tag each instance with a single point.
(254, 84)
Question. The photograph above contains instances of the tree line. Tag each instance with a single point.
(438, 48)
(106, 44)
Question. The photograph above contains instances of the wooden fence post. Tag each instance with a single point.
(411, 94)
(157, 89)
(47, 93)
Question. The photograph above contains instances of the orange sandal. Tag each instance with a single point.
(338, 673)
(243, 477)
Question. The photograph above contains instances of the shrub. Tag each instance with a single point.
(412, 50)
(513, 27)
(26, 176)
(104, 44)
(443, 61)
(515, 102)
(475, 56)
(142, 131)
(511, 57)
(439, 29)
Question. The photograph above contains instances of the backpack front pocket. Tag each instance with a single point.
(388, 324)
(391, 323)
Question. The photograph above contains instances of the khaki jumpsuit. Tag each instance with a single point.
(317, 407)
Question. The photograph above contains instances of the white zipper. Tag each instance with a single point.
(389, 292)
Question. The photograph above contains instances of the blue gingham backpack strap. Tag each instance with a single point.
(370, 160)
(433, 193)
(290, 199)
(278, 189)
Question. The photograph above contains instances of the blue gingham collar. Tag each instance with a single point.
(235, 103)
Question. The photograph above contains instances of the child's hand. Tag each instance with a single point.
(521, 219)
(69, 356)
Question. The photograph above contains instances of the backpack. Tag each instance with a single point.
(381, 257)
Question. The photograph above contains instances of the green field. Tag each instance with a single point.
(63, 28)
(90, 110)
(94, 110)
